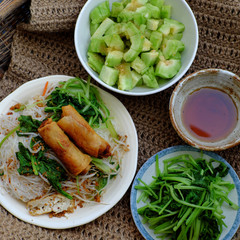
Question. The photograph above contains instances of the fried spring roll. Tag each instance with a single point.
(72, 158)
(82, 134)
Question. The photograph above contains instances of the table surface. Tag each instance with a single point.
(45, 46)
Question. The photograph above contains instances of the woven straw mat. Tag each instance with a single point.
(45, 46)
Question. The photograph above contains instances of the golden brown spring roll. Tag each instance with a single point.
(71, 157)
(82, 134)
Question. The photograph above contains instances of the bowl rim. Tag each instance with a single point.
(175, 125)
(131, 93)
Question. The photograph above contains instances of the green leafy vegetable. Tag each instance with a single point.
(184, 201)
(28, 124)
(102, 182)
(37, 163)
(82, 96)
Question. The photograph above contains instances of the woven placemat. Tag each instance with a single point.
(45, 46)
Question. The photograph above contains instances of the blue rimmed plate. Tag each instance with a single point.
(146, 172)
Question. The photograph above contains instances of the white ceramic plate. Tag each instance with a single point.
(116, 189)
(146, 172)
(180, 11)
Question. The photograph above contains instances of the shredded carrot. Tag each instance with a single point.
(45, 88)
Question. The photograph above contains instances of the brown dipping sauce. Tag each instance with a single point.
(209, 114)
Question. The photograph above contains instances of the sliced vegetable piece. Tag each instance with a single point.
(125, 77)
(130, 55)
(114, 42)
(103, 27)
(117, 7)
(171, 47)
(136, 79)
(93, 27)
(166, 11)
(114, 58)
(155, 11)
(157, 3)
(149, 58)
(168, 68)
(97, 45)
(139, 66)
(149, 78)
(176, 26)
(156, 39)
(131, 30)
(152, 24)
(99, 13)
(109, 75)
(95, 61)
(146, 45)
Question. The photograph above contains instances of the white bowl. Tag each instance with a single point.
(222, 80)
(180, 11)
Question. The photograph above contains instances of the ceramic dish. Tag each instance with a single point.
(148, 170)
(225, 81)
(180, 11)
(116, 189)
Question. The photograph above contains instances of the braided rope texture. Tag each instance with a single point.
(45, 46)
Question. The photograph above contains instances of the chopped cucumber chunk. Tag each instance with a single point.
(157, 3)
(149, 58)
(114, 58)
(99, 13)
(149, 78)
(93, 27)
(104, 26)
(135, 43)
(166, 11)
(152, 24)
(139, 19)
(136, 79)
(139, 65)
(109, 75)
(171, 47)
(168, 68)
(155, 11)
(97, 45)
(156, 39)
(95, 61)
(114, 42)
(130, 55)
(125, 77)
(146, 45)
(131, 30)
(117, 7)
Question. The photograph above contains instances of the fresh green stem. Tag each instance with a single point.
(34, 165)
(9, 134)
(187, 203)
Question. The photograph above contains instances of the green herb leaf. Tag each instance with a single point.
(82, 96)
(38, 163)
(28, 124)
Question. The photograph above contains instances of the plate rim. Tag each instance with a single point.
(36, 220)
(162, 153)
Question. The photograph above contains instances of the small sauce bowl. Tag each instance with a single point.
(220, 80)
